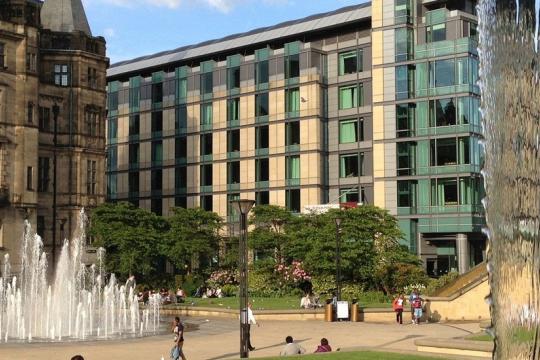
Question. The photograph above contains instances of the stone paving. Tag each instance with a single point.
(215, 339)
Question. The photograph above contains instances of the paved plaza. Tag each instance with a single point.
(215, 339)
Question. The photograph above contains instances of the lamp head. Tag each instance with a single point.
(243, 206)
(337, 221)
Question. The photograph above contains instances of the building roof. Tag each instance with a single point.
(263, 35)
(64, 16)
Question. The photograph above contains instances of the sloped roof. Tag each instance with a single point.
(316, 22)
(64, 16)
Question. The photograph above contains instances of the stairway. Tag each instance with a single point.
(476, 274)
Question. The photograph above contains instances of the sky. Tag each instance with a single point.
(135, 28)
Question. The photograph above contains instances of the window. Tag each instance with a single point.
(261, 72)
(293, 200)
(206, 115)
(92, 78)
(351, 96)
(351, 165)
(112, 158)
(444, 192)
(442, 112)
(157, 153)
(233, 78)
(404, 44)
(134, 93)
(233, 140)
(92, 123)
(348, 131)
(43, 174)
(134, 125)
(292, 101)
(206, 175)
(261, 137)
(232, 213)
(180, 124)
(156, 206)
(133, 183)
(262, 197)
(91, 177)
(180, 177)
(207, 83)
(206, 144)
(470, 30)
(206, 202)
(405, 82)
(261, 104)
(29, 178)
(112, 131)
(133, 155)
(157, 93)
(442, 73)
(113, 100)
(292, 133)
(436, 33)
(40, 226)
(3, 63)
(407, 193)
(31, 62)
(402, 12)
(157, 123)
(233, 109)
(30, 113)
(292, 66)
(180, 201)
(44, 119)
(180, 148)
(61, 75)
(349, 196)
(292, 171)
(233, 172)
(405, 120)
(181, 88)
(452, 151)
(262, 170)
(406, 158)
(156, 180)
(350, 62)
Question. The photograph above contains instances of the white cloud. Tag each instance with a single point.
(109, 33)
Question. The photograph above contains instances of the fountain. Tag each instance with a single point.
(78, 304)
(510, 85)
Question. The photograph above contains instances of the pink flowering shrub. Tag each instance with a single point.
(293, 274)
(220, 278)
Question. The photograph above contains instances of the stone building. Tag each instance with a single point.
(52, 117)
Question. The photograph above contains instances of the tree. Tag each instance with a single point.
(268, 236)
(193, 237)
(130, 236)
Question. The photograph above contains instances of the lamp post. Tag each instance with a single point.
(338, 258)
(243, 207)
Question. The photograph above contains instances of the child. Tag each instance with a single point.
(397, 305)
(417, 306)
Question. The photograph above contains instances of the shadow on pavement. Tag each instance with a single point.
(226, 356)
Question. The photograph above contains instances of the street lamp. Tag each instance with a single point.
(243, 207)
(338, 258)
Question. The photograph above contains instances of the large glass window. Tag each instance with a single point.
(407, 193)
(43, 174)
(157, 93)
(261, 104)
(156, 180)
(351, 96)
(206, 144)
(207, 83)
(348, 131)
(292, 133)
(133, 182)
(233, 140)
(404, 38)
(180, 148)
(292, 198)
(45, 119)
(134, 125)
(157, 153)
(402, 11)
(61, 75)
(435, 33)
(351, 165)
(443, 152)
(406, 158)
(262, 169)
(262, 197)
(292, 170)
(233, 78)
(404, 82)
(207, 203)
(442, 112)
(261, 72)
(405, 120)
(444, 192)
(233, 109)
(292, 101)
(181, 118)
(134, 155)
(349, 195)
(233, 172)
(261, 137)
(157, 123)
(206, 175)
(206, 114)
(180, 177)
(181, 88)
(292, 66)
(442, 73)
(350, 62)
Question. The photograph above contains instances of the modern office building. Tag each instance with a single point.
(373, 104)
(52, 121)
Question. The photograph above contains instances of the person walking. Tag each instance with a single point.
(291, 348)
(417, 305)
(178, 330)
(412, 297)
(251, 321)
(398, 308)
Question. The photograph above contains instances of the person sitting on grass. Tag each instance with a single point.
(305, 303)
(291, 348)
(324, 347)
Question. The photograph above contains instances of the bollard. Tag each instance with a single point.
(354, 311)
(329, 311)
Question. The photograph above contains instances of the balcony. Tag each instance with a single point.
(446, 47)
(4, 196)
(439, 210)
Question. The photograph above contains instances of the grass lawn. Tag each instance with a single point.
(284, 303)
(362, 355)
(480, 337)
(519, 335)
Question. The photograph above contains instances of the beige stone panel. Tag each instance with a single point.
(168, 204)
(277, 197)
(220, 204)
(310, 134)
(310, 169)
(378, 194)
(168, 121)
(378, 85)
(376, 13)
(388, 46)
(219, 176)
(193, 178)
(144, 180)
(194, 117)
(247, 141)
(123, 155)
(309, 100)
(219, 145)
(390, 196)
(123, 181)
(247, 109)
(193, 147)
(377, 48)
(378, 160)
(247, 174)
(168, 179)
(378, 122)
(168, 149)
(145, 149)
(277, 171)
(388, 12)
(276, 105)
(276, 137)
(123, 127)
(219, 109)
(310, 196)
(145, 122)
(193, 201)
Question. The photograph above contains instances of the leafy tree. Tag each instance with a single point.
(130, 236)
(268, 236)
(193, 238)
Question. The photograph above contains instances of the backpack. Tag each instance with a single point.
(417, 303)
